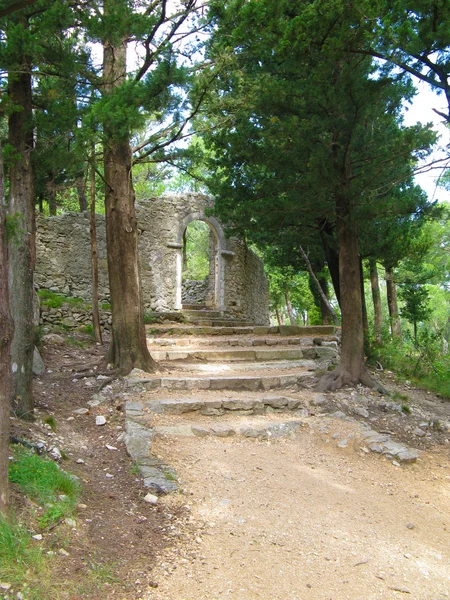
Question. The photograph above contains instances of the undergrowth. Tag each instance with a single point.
(54, 300)
(422, 362)
(44, 482)
(53, 496)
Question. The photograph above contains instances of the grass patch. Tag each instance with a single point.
(43, 481)
(73, 340)
(54, 300)
(50, 420)
(398, 396)
(21, 561)
(105, 306)
(88, 329)
(423, 364)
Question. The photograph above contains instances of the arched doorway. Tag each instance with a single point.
(200, 263)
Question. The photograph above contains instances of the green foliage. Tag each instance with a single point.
(20, 559)
(88, 329)
(197, 238)
(416, 306)
(54, 300)
(43, 481)
(422, 362)
(50, 420)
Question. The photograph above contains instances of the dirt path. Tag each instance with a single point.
(303, 519)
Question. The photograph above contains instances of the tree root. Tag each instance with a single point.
(341, 377)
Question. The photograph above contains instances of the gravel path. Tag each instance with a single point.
(302, 519)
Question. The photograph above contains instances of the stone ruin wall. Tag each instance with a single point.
(63, 257)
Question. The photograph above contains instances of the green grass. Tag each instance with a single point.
(43, 481)
(50, 420)
(21, 560)
(423, 365)
(54, 300)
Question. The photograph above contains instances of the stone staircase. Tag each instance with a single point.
(222, 381)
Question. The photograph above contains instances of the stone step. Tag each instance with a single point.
(253, 355)
(234, 369)
(229, 355)
(300, 380)
(155, 343)
(194, 306)
(216, 321)
(249, 429)
(250, 404)
(205, 313)
(233, 330)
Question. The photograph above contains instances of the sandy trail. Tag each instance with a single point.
(301, 518)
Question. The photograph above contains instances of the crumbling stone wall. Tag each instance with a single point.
(63, 258)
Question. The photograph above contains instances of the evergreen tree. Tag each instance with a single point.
(312, 136)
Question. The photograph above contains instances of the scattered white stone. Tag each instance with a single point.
(109, 476)
(5, 586)
(362, 412)
(419, 432)
(93, 403)
(100, 420)
(52, 338)
(71, 523)
(100, 377)
(395, 463)
(151, 499)
(55, 453)
(63, 552)
(70, 419)
(81, 411)
(110, 447)
(37, 537)
(80, 461)
(82, 506)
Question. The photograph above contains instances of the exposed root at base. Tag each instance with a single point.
(341, 377)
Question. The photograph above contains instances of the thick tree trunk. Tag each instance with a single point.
(376, 298)
(80, 184)
(351, 369)
(94, 263)
(6, 335)
(22, 248)
(391, 292)
(128, 347)
(290, 310)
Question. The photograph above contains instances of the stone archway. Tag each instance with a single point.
(219, 263)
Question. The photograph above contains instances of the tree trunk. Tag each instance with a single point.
(351, 369)
(290, 310)
(327, 314)
(51, 197)
(94, 261)
(279, 317)
(128, 347)
(80, 184)
(391, 292)
(376, 298)
(332, 258)
(6, 335)
(319, 289)
(22, 248)
(363, 300)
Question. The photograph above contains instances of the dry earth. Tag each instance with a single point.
(297, 518)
